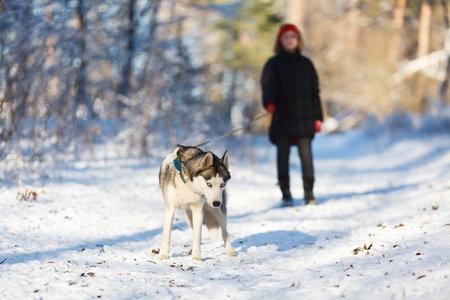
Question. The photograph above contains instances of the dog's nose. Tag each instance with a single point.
(216, 203)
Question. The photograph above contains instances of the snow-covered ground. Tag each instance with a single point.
(381, 229)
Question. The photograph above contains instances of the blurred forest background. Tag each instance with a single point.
(74, 73)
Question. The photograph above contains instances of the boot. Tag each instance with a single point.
(309, 198)
(287, 198)
(308, 184)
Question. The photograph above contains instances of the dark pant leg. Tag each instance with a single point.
(305, 152)
(283, 148)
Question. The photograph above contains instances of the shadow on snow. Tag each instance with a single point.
(16, 258)
(285, 240)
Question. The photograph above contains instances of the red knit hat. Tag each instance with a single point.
(287, 27)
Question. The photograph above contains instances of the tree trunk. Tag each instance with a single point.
(445, 71)
(81, 96)
(296, 13)
(125, 84)
(443, 90)
(150, 42)
(2, 4)
(399, 16)
(423, 43)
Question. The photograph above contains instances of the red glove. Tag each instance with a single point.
(270, 107)
(318, 125)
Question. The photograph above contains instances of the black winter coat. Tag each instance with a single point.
(289, 80)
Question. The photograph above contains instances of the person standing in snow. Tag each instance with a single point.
(290, 93)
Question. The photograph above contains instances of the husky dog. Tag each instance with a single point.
(194, 181)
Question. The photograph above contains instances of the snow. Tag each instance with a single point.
(381, 229)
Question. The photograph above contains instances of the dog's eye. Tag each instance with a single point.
(209, 184)
(222, 185)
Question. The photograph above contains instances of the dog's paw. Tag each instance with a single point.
(163, 256)
(231, 253)
(197, 258)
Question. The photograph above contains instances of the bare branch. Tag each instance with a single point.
(415, 66)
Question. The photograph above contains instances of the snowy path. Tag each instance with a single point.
(91, 234)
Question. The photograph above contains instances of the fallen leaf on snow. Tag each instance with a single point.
(27, 195)
(367, 248)
(355, 251)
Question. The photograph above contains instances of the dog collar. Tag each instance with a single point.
(178, 167)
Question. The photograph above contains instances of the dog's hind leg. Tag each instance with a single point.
(188, 216)
(197, 222)
(169, 213)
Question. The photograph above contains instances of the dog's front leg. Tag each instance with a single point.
(197, 221)
(169, 213)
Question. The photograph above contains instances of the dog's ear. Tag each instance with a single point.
(206, 162)
(224, 159)
(186, 153)
(180, 151)
(177, 148)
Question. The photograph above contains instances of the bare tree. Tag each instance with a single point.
(399, 16)
(296, 11)
(445, 71)
(82, 97)
(125, 85)
(68, 67)
(423, 43)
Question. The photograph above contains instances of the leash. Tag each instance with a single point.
(177, 163)
(234, 131)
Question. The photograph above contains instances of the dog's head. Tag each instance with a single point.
(205, 173)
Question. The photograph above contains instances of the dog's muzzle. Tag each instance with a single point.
(216, 203)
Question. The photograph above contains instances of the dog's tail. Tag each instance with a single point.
(210, 217)
(211, 223)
